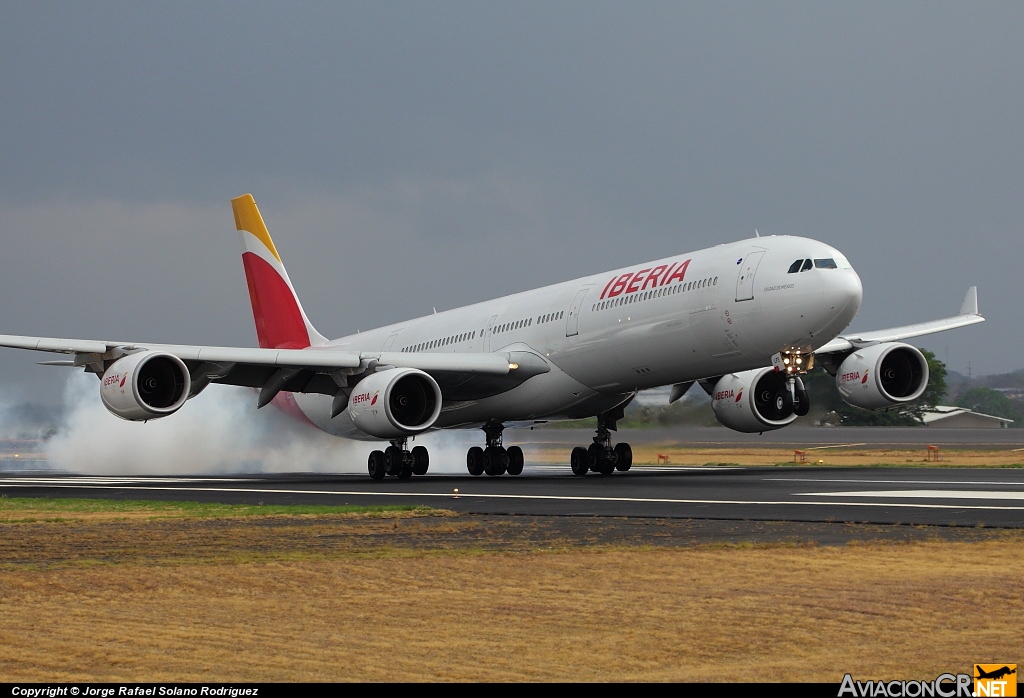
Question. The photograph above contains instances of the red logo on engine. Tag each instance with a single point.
(123, 380)
(374, 400)
(864, 379)
(739, 395)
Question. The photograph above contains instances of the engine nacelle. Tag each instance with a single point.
(145, 385)
(753, 401)
(882, 376)
(395, 403)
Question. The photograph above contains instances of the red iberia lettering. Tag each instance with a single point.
(634, 285)
(618, 286)
(678, 274)
(652, 278)
(667, 272)
(634, 282)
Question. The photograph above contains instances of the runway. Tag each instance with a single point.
(920, 496)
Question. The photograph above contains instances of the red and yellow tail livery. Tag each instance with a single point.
(280, 321)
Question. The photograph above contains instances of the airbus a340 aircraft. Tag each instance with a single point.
(745, 320)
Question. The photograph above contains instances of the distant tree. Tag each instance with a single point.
(993, 402)
(935, 393)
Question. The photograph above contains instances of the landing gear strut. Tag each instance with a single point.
(794, 364)
(397, 461)
(494, 459)
(601, 456)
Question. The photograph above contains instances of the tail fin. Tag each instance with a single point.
(280, 321)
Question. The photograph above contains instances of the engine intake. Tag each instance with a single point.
(145, 385)
(882, 376)
(394, 403)
(753, 401)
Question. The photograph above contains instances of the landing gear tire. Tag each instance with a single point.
(624, 457)
(515, 460)
(420, 460)
(375, 465)
(393, 460)
(475, 461)
(578, 461)
(495, 461)
(598, 460)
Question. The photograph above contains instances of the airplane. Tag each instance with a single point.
(995, 674)
(744, 320)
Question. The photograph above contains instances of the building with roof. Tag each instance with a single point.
(962, 417)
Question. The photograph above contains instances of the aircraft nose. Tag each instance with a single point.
(844, 293)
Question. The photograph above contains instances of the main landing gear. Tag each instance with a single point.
(600, 456)
(494, 459)
(398, 461)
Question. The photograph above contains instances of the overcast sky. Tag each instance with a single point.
(411, 155)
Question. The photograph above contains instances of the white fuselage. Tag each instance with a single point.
(688, 317)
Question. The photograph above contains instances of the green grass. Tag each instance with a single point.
(198, 510)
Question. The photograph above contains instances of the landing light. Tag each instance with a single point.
(793, 361)
(512, 366)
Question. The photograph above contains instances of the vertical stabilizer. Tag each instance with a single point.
(280, 321)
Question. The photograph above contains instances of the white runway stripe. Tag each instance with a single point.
(922, 494)
(994, 483)
(471, 495)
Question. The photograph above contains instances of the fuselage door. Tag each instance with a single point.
(488, 332)
(390, 341)
(745, 280)
(572, 322)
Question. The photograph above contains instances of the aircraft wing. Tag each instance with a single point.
(312, 370)
(968, 315)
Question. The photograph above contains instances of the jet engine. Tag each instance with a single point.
(395, 403)
(145, 385)
(882, 376)
(754, 401)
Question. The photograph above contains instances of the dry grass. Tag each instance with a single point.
(147, 601)
(647, 454)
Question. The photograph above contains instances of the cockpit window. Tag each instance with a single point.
(807, 264)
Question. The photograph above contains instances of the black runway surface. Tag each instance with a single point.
(930, 496)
